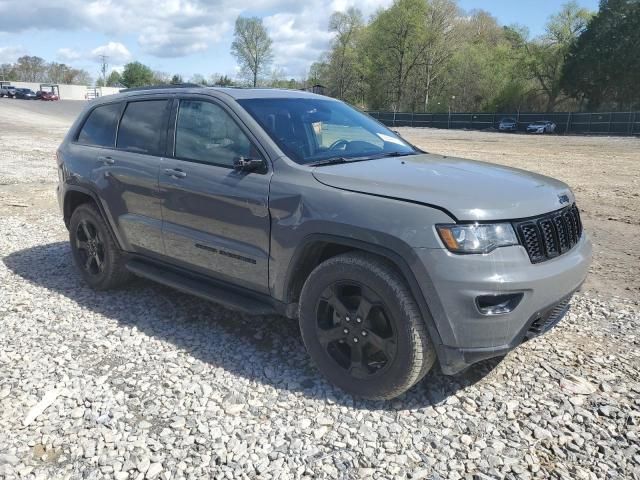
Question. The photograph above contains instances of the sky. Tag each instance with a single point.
(194, 36)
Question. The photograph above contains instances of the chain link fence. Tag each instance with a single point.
(607, 123)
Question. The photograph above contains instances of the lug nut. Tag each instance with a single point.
(355, 339)
(364, 333)
(347, 319)
(346, 330)
(358, 320)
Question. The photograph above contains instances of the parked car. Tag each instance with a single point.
(541, 126)
(25, 94)
(47, 96)
(8, 91)
(277, 201)
(508, 125)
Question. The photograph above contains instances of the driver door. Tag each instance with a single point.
(215, 218)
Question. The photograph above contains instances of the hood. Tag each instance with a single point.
(466, 189)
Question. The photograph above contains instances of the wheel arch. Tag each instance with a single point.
(316, 248)
(75, 196)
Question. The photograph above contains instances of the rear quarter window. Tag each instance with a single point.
(99, 128)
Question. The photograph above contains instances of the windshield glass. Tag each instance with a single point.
(310, 130)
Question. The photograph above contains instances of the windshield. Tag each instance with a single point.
(310, 130)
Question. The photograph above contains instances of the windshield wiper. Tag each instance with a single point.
(337, 160)
(329, 161)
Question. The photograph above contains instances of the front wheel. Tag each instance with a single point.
(362, 327)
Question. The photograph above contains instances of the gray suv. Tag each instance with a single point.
(274, 201)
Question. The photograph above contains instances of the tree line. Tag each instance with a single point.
(429, 56)
(37, 70)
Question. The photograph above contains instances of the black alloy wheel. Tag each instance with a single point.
(90, 247)
(363, 328)
(353, 326)
(95, 253)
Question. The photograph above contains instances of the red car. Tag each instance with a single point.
(47, 96)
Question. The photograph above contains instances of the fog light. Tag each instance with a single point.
(498, 304)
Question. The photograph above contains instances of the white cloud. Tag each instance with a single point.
(67, 55)
(11, 53)
(298, 40)
(300, 37)
(115, 52)
(176, 28)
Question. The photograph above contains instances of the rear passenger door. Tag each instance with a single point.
(129, 174)
(216, 219)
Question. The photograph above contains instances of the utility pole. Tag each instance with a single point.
(103, 69)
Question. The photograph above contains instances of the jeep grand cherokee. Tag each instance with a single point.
(275, 201)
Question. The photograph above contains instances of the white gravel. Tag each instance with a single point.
(150, 383)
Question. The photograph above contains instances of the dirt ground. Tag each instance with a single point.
(604, 173)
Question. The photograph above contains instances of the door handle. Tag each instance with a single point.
(174, 172)
(106, 160)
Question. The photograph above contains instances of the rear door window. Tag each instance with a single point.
(100, 127)
(143, 127)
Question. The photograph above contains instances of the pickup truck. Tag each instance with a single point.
(8, 91)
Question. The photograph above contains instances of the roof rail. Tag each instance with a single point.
(160, 87)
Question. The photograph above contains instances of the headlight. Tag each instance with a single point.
(477, 238)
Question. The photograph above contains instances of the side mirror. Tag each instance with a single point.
(247, 164)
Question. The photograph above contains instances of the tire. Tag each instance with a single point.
(364, 295)
(95, 253)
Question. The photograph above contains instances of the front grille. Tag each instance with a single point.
(550, 235)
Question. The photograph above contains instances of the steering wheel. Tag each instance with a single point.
(338, 143)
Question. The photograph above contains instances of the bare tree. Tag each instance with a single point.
(252, 47)
(440, 41)
(343, 64)
(30, 69)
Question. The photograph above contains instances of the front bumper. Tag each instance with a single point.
(451, 283)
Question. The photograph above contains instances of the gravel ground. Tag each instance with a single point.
(150, 383)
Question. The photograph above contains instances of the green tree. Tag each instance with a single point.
(252, 48)
(176, 79)
(221, 80)
(485, 71)
(114, 79)
(395, 48)
(135, 74)
(603, 65)
(546, 56)
(318, 74)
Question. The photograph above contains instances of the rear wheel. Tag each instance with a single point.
(95, 253)
(362, 327)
